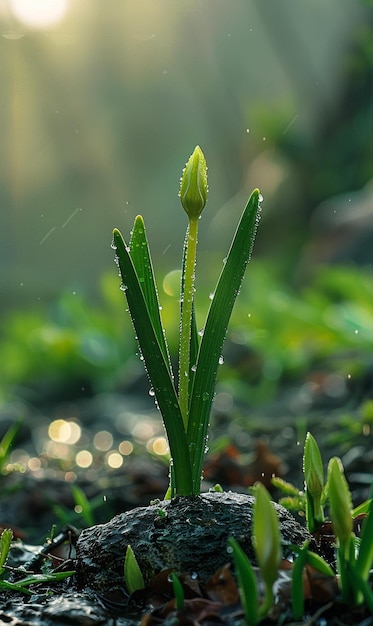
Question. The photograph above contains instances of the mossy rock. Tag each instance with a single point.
(188, 534)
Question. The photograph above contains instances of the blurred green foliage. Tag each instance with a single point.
(277, 334)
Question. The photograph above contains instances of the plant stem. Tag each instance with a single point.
(187, 297)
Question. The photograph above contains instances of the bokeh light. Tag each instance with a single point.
(84, 458)
(114, 460)
(39, 13)
(126, 448)
(103, 440)
(63, 431)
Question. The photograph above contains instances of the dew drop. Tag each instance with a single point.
(122, 287)
(113, 245)
(200, 332)
(221, 360)
(211, 295)
(151, 392)
(260, 198)
(194, 368)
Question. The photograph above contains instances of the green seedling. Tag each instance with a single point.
(267, 544)
(185, 407)
(25, 582)
(354, 558)
(314, 483)
(178, 592)
(133, 578)
(305, 556)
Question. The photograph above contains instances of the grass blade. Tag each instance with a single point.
(157, 368)
(215, 330)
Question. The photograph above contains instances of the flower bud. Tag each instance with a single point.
(193, 185)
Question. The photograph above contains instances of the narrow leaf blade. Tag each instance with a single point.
(141, 259)
(215, 330)
(157, 368)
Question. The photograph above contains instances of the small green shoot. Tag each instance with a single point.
(133, 578)
(305, 556)
(178, 591)
(31, 579)
(185, 407)
(354, 558)
(267, 544)
(314, 483)
(247, 583)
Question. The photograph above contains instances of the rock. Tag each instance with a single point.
(188, 534)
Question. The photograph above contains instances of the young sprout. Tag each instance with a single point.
(314, 482)
(267, 543)
(185, 411)
(133, 578)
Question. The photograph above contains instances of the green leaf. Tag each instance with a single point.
(266, 535)
(220, 310)
(317, 562)
(141, 259)
(157, 368)
(5, 542)
(365, 558)
(313, 467)
(297, 590)
(340, 505)
(133, 578)
(314, 482)
(178, 591)
(247, 583)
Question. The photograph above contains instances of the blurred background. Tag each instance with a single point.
(101, 105)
